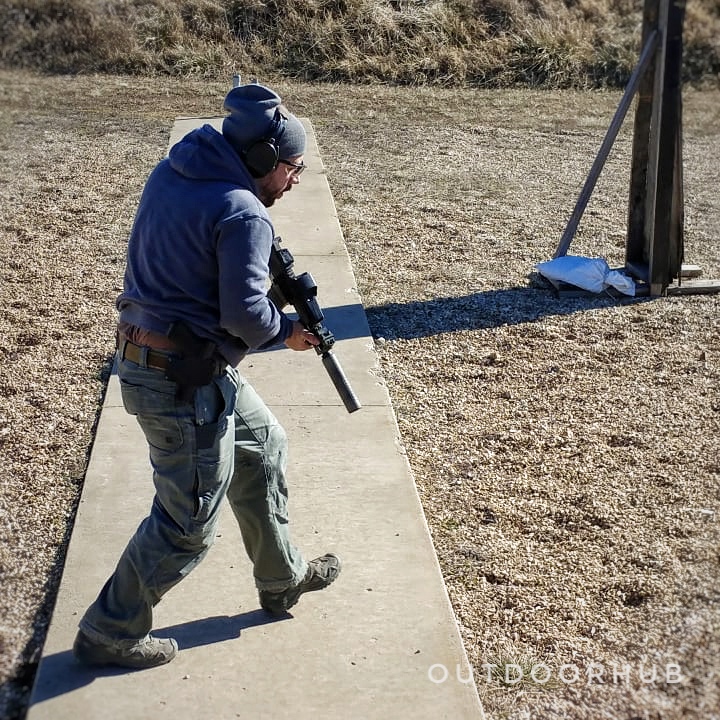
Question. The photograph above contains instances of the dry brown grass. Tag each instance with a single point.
(488, 43)
(566, 451)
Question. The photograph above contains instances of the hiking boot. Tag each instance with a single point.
(145, 653)
(320, 573)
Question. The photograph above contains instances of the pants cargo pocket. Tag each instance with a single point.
(214, 433)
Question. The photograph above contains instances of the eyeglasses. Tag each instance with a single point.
(297, 168)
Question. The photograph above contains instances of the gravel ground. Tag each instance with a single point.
(565, 449)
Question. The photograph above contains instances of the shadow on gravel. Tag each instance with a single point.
(488, 309)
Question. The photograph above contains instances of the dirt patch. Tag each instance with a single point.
(565, 450)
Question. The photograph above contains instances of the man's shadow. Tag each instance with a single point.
(60, 673)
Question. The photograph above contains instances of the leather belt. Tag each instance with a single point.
(155, 359)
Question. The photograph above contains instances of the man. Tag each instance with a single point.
(194, 302)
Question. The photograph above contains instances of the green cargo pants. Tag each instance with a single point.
(225, 442)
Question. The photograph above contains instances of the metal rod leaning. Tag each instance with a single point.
(607, 144)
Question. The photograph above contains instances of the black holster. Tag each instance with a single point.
(198, 364)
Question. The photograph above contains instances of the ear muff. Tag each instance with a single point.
(262, 156)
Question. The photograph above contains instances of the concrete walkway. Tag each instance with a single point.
(377, 644)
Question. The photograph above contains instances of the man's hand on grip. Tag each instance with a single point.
(301, 339)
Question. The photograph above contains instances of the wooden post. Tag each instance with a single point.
(635, 258)
(666, 240)
(677, 214)
(654, 248)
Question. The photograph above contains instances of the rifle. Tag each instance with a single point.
(300, 291)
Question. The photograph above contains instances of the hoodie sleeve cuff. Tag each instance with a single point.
(286, 328)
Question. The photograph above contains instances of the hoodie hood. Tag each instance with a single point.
(205, 154)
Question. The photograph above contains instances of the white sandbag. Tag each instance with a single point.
(591, 274)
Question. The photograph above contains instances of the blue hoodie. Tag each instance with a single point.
(199, 250)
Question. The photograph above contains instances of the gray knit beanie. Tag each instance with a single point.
(253, 109)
